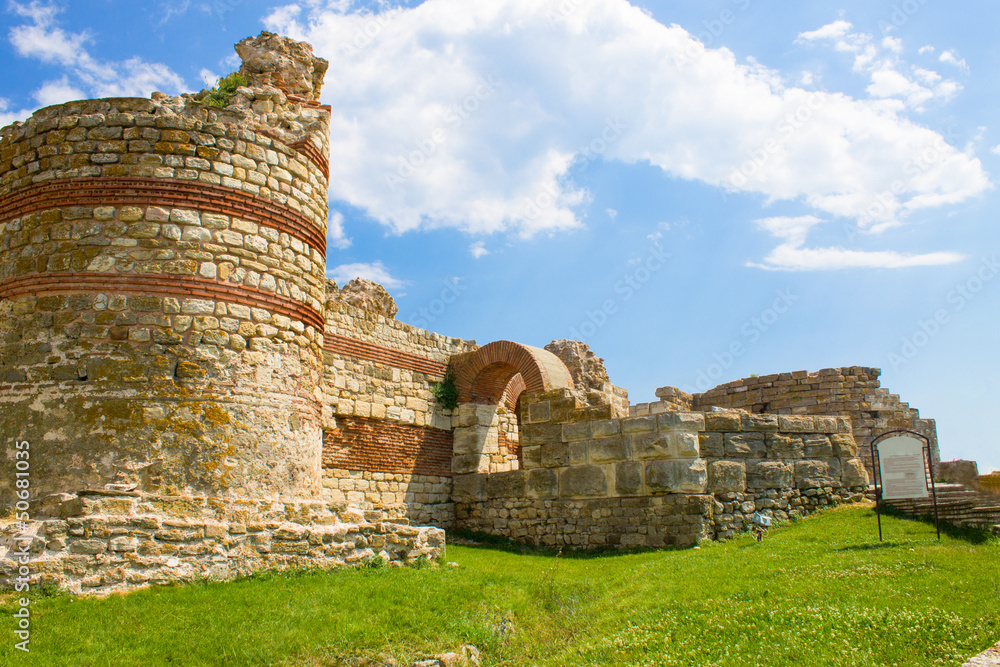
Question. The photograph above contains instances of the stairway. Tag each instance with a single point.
(959, 505)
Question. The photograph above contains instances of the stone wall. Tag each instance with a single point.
(387, 442)
(854, 391)
(587, 479)
(105, 542)
(162, 287)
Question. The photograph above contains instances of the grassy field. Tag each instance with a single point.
(821, 591)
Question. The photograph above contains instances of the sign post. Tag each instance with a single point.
(898, 459)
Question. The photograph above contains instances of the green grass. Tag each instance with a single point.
(821, 591)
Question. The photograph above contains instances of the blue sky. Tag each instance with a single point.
(699, 190)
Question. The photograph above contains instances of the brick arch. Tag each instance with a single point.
(502, 370)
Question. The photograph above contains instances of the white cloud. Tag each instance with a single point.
(472, 115)
(791, 256)
(173, 8)
(376, 272)
(891, 77)
(478, 249)
(949, 58)
(57, 92)
(836, 30)
(335, 232)
(925, 49)
(7, 116)
(612, 213)
(84, 75)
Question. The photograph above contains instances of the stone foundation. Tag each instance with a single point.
(105, 542)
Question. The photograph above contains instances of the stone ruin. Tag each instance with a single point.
(197, 399)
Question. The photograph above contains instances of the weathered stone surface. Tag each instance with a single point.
(469, 488)
(770, 475)
(555, 455)
(854, 473)
(784, 446)
(609, 450)
(843, 445)
(727, 477)
(712, 445)
(542, 483)
(628, 478)
(583, 481)
(273, 60)
(677, 476)
(745, 445)
(818, 473)
(511, 484)
(368, 296)
(817, 446)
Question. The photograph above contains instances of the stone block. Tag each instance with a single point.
(468, 488)
(853, 473)
(784, 446)
(464, 464)
(628, 478)
(539, 412)
(817, 446)
(685, 444)
(724, 421)
(651, 446)
(531, 456)
(575, 431)
(609, 450)
(815, 474)
(745, 445)
(769, 475)
(759, 422)
(843, 445)
(727, 477)
(589, 481)
(795, 424)
(826, 424)
(605, 428)
(638, 425)
(684, 476)
(542, 484)
(711, 445)
(510, 484)
(680, 421)
(579, 453)
(555, 455)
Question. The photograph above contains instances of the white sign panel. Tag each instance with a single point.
(901, 462)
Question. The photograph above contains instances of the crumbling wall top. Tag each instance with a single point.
(281, 62)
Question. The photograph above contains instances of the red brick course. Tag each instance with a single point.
(177, 286)
(379, 446)
(143, 192)
(352, 347)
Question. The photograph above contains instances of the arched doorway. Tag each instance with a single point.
(490, 382)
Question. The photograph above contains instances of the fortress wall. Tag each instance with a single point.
(388, 441)
(854, 391)
(670, 479)
(162, 286)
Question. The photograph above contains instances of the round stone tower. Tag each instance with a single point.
(162, 277)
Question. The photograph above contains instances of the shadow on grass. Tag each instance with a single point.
(479, 540)
(969, 534)
(871, 547)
